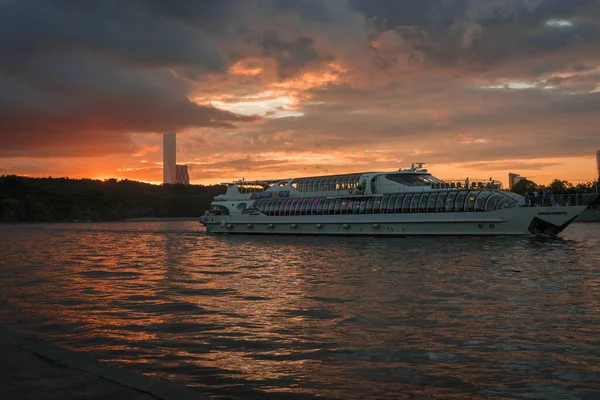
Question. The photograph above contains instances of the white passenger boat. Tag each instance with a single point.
(404, 202)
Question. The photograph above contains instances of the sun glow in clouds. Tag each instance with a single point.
(282, 98)
(270, 104)
(558, 23)
(519, 85)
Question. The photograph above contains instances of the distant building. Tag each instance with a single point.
(598, 165)
(183, 178)
(513, 179)
(169, 158)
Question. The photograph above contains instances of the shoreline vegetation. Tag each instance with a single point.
(24, 199)
(32, 200)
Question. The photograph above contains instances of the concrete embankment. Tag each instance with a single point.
(34, 369)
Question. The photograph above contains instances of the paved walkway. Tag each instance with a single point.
(32, 369)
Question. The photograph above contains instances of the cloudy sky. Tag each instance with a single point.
(283, 88)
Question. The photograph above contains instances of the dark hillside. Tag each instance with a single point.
(25, 199)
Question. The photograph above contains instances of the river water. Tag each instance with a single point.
(273, 317)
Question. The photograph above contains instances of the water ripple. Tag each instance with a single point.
(275, 317)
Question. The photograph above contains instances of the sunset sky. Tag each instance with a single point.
(284, 88)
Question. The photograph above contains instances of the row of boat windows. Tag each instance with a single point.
(454, 201)
(327, 183)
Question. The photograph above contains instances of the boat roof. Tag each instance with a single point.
(418, 169)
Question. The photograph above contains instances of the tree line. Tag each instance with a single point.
(557, 186)
(24, 199)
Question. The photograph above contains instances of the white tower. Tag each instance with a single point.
(169, 158)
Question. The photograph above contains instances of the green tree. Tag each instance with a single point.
(9, 211)
(558, 186)
(524, 186)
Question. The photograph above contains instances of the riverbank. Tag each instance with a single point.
(33, 369)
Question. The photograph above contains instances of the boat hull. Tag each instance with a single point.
(511, 221)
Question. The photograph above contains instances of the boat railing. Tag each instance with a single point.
(468, 185)
(556, 200)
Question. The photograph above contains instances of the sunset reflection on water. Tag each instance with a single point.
(268, 316)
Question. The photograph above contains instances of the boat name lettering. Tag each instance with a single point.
(552, 213)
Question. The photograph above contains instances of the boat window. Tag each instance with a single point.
(293, 205)
(406, 203)
(281, 207)
(304, 206)
(343, 206)
(273, 207)
(338, 183)
(504, 203)
(369, 209)
(313, 206)
(481, 200)
(315, 184)
(384, 203)
(309, 206)
(241, 206)
(414, 204)
(299, 205)
(391, 204)
(320, 205)
(374, 185)
(282, 184)
(423, 202)
(459, 204)
(285, 207)
(363, 206)
(410, 179)
(288, 207)
(319, 185)
(450, 201)
(308, 185)
(265, 206)
(492, 202)
(377, 205)
(342, 183)
(276, 207)
(440, 205)
(398, 205)
(337, 206)
(431, 202)
(349, 206)
(470, 201)
(331, 206)
(218, 210)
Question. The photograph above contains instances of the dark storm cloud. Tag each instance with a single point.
(74, 74)
(474, 31)
(291, 56)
